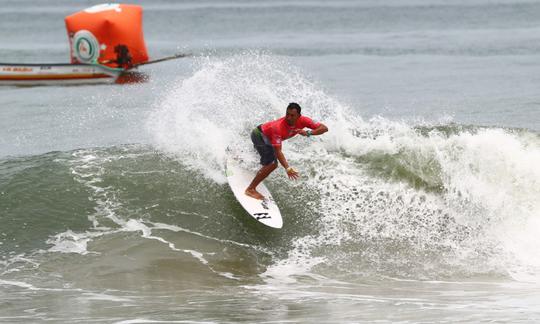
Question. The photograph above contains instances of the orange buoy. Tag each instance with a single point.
(108, 34)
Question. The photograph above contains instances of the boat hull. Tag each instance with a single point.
(56, 74)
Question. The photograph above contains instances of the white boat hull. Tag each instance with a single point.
(56, 74)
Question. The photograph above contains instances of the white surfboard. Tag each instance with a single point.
(265, 211)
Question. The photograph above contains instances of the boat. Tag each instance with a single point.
(106, 46)
(57, 74)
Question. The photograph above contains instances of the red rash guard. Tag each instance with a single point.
(278, 130)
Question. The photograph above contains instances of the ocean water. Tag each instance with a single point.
(421, 204)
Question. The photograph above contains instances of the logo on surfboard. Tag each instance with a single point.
(261, 216)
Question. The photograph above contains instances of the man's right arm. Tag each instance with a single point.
(291, 173)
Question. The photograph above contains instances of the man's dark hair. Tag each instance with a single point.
(294, 105)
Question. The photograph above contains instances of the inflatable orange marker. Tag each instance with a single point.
(107, 34)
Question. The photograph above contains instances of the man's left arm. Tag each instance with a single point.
(320, 129)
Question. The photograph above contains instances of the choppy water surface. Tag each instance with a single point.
(420, 204)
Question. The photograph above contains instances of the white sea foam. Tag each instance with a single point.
(25, 285)
(139, 225)
(102, 296)
(69, 242)
(392, 198)
(17, 284)
(143, 320)
(88, 169)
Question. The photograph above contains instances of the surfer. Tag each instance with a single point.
(267, 140)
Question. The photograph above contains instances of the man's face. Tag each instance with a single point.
(291, 116)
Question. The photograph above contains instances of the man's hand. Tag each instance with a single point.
(292, 173)
(307, 133)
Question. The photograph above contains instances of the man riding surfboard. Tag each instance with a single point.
(267, 139)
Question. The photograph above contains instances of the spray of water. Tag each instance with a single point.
(394, 199)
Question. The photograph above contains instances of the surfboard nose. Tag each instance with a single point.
(274, 223)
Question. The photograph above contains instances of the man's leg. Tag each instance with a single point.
(261, 175)
(268, 160)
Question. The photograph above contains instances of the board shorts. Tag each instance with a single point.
(263, 146)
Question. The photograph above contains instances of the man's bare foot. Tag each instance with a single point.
(254, 194)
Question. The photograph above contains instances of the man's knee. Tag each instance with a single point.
(272, 165)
